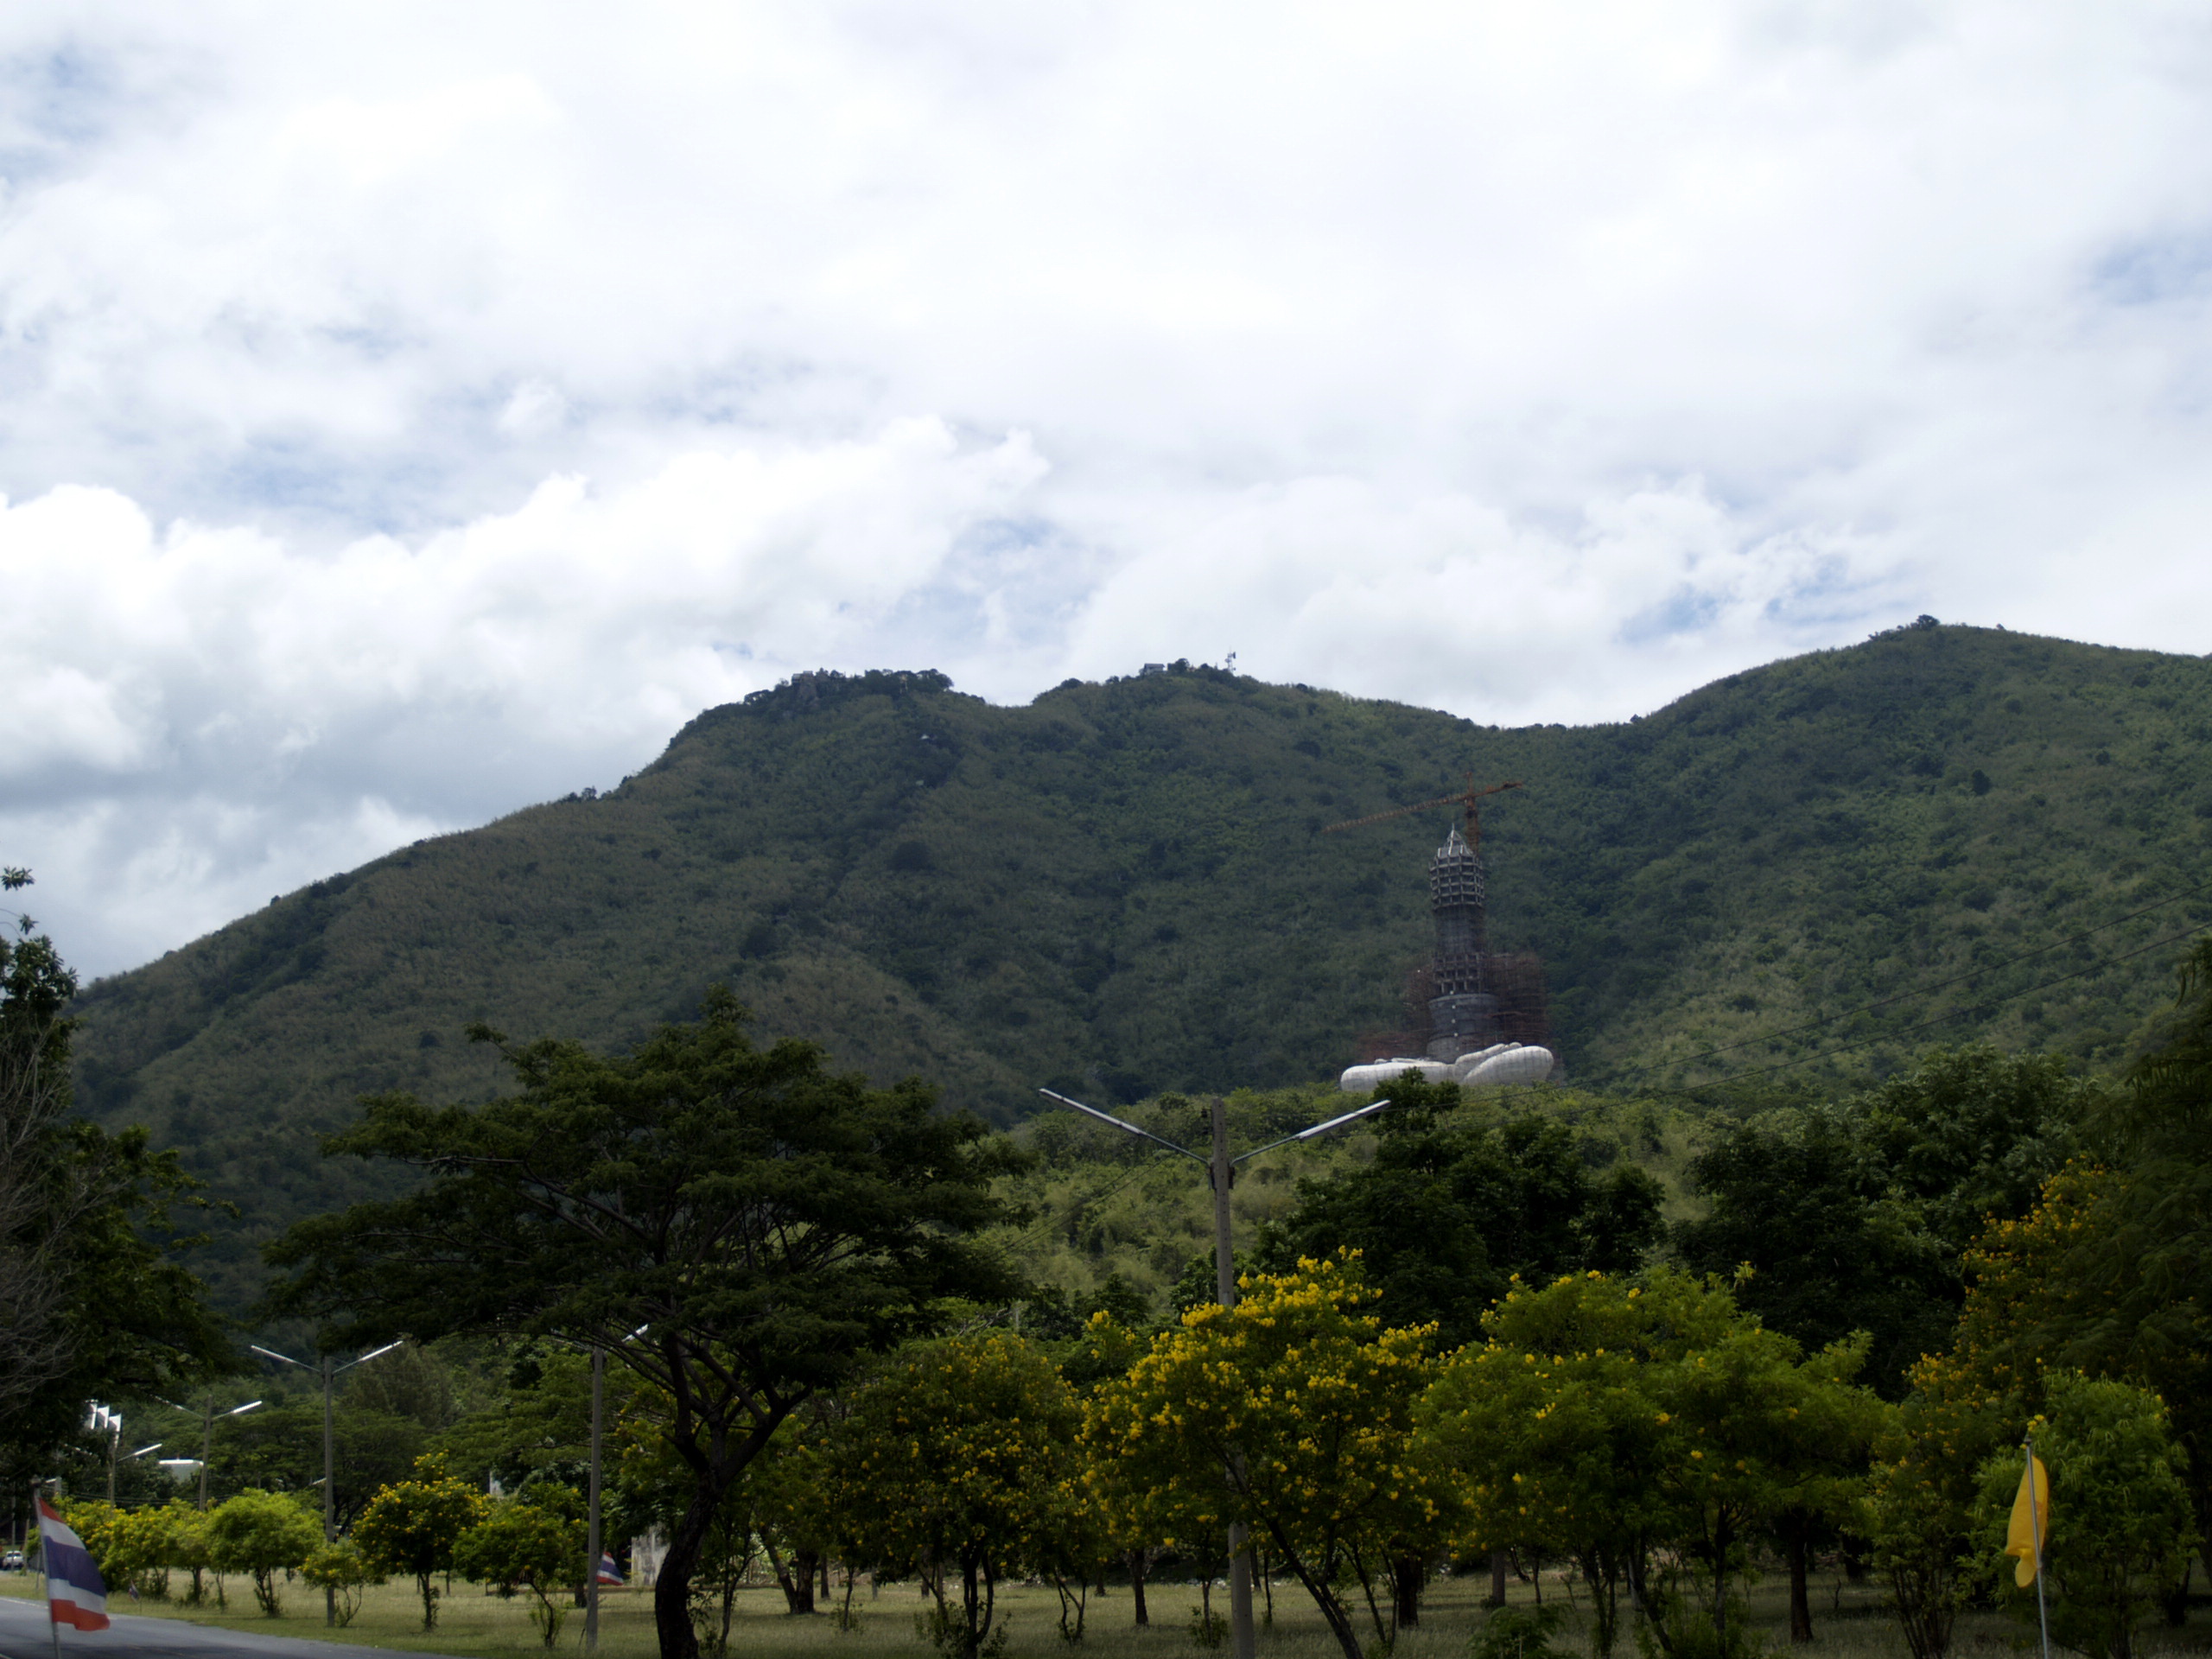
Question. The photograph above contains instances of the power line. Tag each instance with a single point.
(1927, 990)
(1077, 1208)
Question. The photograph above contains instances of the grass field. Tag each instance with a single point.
(1849, 1623)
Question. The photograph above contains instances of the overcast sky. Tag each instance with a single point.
(408, 412)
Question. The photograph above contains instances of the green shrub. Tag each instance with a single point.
(262, 1534)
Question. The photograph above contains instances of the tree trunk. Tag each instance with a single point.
(1801, 1606)
(1138, 1563)
(795, 1579)
(1333, 1612)
(1723, 1536)
(679, 1562)
(1496, 1578)
(979, 1588)
(1407, 1575)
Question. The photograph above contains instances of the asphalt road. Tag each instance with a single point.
(23, 1634)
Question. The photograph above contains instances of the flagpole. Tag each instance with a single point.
(44, 1578)
(2035, 1530)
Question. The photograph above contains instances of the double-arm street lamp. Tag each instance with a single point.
(329, 1451)
(1221, 1174)
(207, 1437)
(112, 1422)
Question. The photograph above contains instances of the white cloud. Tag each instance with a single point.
(413, 410)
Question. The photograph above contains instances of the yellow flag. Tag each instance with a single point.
(2031, 1523)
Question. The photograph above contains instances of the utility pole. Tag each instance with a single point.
(1221, 1173)
(207, 1439)
(111, 1421)
(593, 1546)
(330, 1449)
(329, 1490)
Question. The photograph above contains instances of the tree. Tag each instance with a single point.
(537, 1546)
(1856, 1215)
(1922, 1495)
(340, 1568)
(2120, 1530)
(2127, 1291)
(1290, 1413)
(146, 1541)
(734, 1224)
(788, 1500)
(2041, 1305)
(1126, 1520)
(95, 1301)
(188, 1551)
(1451, 1210)
(1642, 1429)
(263, 1534)
(413, 1527)
(949, 1461)
(1798, 1200)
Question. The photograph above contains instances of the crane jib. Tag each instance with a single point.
(1466, 798)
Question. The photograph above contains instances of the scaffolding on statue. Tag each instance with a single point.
(1466, 998)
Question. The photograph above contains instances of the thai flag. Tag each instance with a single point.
(74, 1594)
(608, 1572)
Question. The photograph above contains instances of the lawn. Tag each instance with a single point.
(1849, 1622)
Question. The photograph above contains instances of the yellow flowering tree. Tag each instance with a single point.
(949, 1464)
(1920, 1502)
(1291, 1413)
(412, 1527)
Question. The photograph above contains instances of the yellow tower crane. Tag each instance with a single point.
(1468, 798)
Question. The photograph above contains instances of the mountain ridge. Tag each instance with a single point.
(1122, 888)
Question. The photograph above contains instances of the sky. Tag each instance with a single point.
(408, 413)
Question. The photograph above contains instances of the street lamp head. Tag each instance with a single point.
(271, 1353)
(235, 1410)
(1122, 1124)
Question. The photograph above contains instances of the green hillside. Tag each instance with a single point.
(1122, 889)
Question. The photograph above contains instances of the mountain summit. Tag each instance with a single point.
(1123, 888)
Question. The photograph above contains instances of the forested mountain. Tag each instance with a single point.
(1123, 888)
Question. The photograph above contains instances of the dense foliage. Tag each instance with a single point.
(1455, 1206)
(95, 1300)
(1122, 888)
(735, 1225)
(1856, 1214)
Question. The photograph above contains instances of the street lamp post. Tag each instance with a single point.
(1221, 1175)
(208, 1439)
(595, 1544)
(329, 1450)
(113, 1422)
